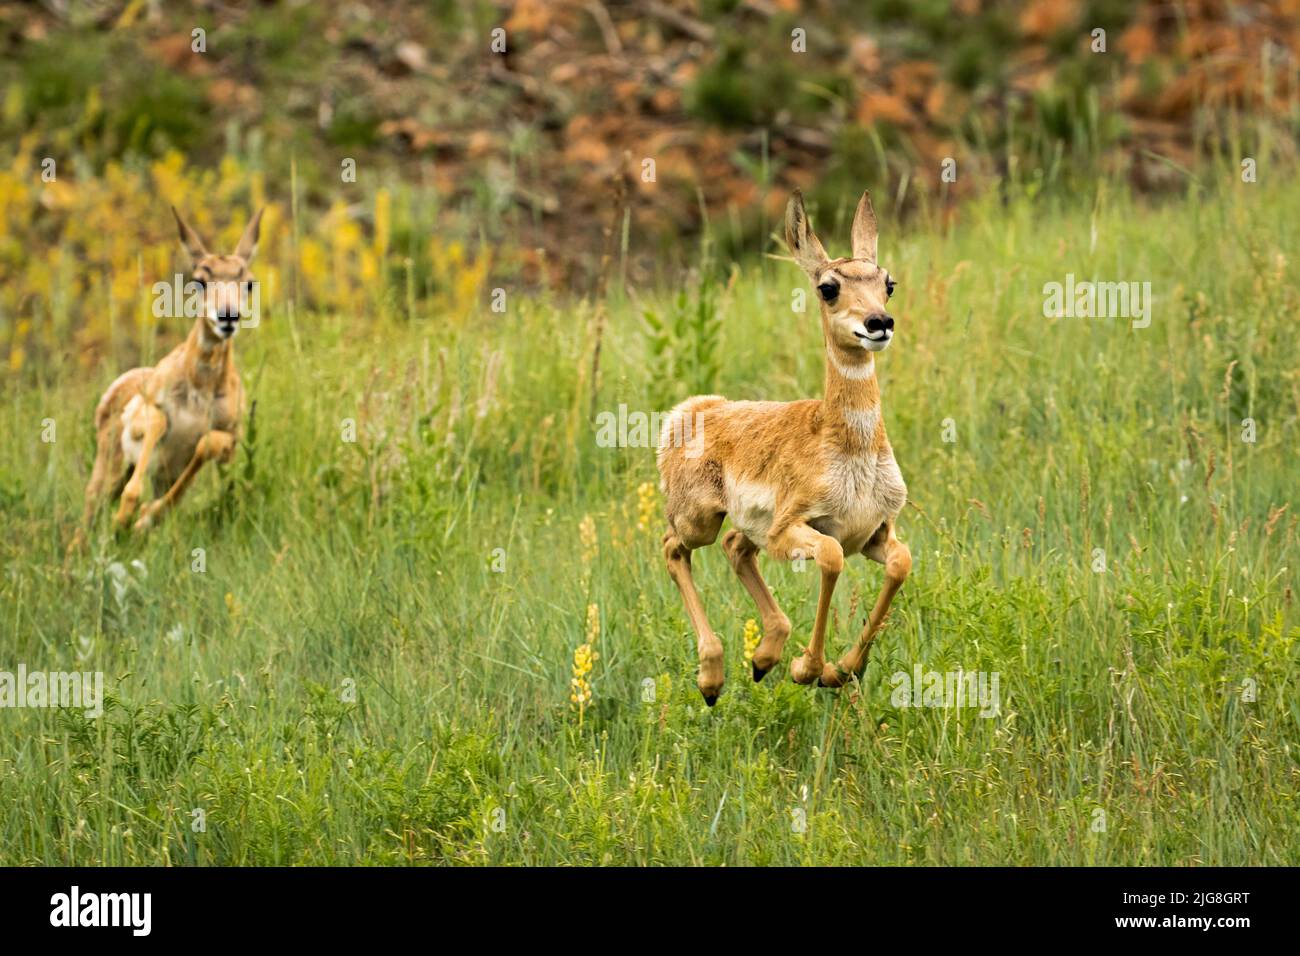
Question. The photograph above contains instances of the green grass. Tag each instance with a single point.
(369, 565)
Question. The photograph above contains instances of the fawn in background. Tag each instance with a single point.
(170, 420)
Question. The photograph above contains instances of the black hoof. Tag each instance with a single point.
(710, 699)
(759, 672)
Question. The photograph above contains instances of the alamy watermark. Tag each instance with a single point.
(179, 299)
(133, 911)
(77, 689)
(957, 688)
(636, 429)
(1098, 300)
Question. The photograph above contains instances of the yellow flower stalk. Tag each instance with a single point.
(751, 639)
(383, 224)
(645, 501)
(584, 659)
(587, 536)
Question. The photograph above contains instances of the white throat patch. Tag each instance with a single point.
(863, 421)
(854, 373)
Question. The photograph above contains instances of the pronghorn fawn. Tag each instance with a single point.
(813, 479)
(170, 420)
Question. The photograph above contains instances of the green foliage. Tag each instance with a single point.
(684, 342)
(88, 87)
(748, 86)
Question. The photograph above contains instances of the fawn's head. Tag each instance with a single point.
(854, 292)
(225, 281)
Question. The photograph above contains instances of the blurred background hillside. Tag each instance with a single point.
(475, 168)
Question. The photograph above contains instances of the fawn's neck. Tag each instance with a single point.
(852, 401)
(208, 358)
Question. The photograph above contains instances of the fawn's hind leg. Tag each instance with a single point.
(108, 477)
(677, 552)
(743, 555)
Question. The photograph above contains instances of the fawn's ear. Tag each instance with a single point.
(804, 245)
(864, 230)
(189, 238)
(248, 241)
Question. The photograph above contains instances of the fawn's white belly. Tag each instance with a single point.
(751, 507)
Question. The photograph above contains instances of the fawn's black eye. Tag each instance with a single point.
(829, 291)
(889, 287)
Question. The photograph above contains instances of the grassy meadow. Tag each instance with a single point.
(363, 651)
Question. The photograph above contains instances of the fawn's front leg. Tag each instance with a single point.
(147, 425)
(800, 540)
(216, 445)
(897, 559)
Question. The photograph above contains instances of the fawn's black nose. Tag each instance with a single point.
(880, 323)
(227, 321)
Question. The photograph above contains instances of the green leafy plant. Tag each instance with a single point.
(683, 341)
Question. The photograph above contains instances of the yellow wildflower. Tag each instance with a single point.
(751, 639)
(383, 223)
(587, 535)
(584, 659)
(645, 501)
